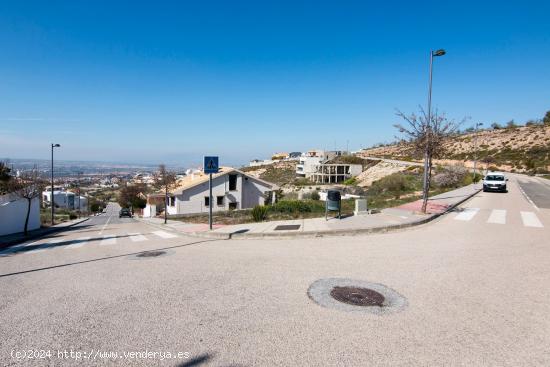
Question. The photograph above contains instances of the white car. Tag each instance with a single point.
(495, 181)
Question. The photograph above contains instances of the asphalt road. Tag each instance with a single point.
(476, 282)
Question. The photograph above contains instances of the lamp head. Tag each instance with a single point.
(439, 52)
(56, 145)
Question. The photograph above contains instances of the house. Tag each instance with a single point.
(231, 189)
(316, 165)
(13, 212)
(64, 199)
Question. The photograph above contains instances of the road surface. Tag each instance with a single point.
(476, 282)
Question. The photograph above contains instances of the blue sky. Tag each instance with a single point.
(171, 81)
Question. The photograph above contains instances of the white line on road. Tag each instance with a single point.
(79, 242)
(108, 240)
(527, 196)
(497, 216)
(105, 225)
(530, 219)
(137, 237)
(467, 214)
(163, 234)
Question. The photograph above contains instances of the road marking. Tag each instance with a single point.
(137, 237)
(79, 242)
(163, 234)
(527, 196)
(467, 214)
(44, 246)
(530, 219)
(106, 224)
(108, 240)
(497, 216)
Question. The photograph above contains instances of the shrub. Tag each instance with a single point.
(350, 181)
(72, 216)
(297, 206)
(451, 177)
(259, 213)
(393, 184)
(315, 195)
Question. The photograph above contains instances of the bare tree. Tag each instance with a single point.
(164, 180)
(5, 176)
(28, 186)
(428, 138)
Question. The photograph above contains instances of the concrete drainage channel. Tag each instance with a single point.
(358, 296)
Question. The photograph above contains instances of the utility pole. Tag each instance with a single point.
(427, 133)
(477, 125)
(52, 204)
(210, 203)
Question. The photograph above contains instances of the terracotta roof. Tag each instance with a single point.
(198, 178)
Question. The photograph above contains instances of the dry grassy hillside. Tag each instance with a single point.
(522, 149)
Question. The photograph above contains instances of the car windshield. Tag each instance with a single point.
(494, 178)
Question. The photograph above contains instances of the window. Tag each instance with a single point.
(219, 200)
(206, 201)
(232, 206)
(172, 201)
(232, 182)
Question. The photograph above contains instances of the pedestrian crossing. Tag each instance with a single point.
(500, 216)
(80, 242)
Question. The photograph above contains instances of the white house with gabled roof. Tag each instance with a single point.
(231, 189)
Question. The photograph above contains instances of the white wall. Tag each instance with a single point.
(13, 212)
(249, 192)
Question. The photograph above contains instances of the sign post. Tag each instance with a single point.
(210, 166)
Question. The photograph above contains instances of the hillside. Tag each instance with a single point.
(521, 149)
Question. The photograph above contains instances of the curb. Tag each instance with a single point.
(46, 232)
(331, 232)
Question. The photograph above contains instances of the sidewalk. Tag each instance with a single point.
(389, 219)
(15, 238)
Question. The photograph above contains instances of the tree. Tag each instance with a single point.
(496, 126)
(546, 118)
(132, 195)
(164, 180)
(428, 138)
(4, 176)
(28, 186)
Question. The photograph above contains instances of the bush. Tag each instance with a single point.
(451, 177)
(259, 213)
(72, 216)
(350, 181)
(315, 196)
(393, 184)
(297, 206)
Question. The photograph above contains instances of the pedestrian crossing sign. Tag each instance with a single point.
(211, 164)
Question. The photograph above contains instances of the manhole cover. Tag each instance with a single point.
(151, 254)
(352, 295)
(287, 227)
(357, 296)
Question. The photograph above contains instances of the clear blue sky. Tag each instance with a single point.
(170, 81)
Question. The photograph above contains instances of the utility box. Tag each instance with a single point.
(360, 207)
(333, 203)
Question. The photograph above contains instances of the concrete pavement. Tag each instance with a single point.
(476, 286)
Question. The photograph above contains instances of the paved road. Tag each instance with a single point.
(476, 282)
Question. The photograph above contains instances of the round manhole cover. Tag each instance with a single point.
(357, 296)
(151, 254)
(353, 295)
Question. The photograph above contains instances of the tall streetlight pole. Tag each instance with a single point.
(52, 195)
(477, 125)
(433, 54)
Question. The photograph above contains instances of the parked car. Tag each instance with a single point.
(125, 212)
(495, 181)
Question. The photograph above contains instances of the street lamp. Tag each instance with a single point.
(433, 54)
(52, 195)
(477, 125)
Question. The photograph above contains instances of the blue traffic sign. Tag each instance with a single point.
(211, 165)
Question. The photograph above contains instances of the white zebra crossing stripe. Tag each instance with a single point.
(530, 219)
(43, 247)
(497, 216)
(467, 214)
(163, 234)
(79, 242)
(108, 240)
(137, 237)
